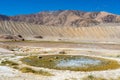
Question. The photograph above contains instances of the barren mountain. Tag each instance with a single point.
(10, 30)
(68, 18)
(3, 17)
(35, 26)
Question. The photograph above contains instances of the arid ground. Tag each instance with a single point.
(12, 68)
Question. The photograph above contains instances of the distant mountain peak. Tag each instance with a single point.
(3, 17)
(66, 18)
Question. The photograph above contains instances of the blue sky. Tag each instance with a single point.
(16, 7)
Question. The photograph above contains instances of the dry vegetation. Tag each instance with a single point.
(40, 72)
(9, 63)
(24, 69)
(91, 77)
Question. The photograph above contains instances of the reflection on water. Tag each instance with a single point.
(81, 62)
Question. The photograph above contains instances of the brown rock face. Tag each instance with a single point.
(67, 18)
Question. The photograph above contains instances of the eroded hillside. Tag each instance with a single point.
(79, 34)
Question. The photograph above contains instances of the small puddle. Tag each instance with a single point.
(82, 62)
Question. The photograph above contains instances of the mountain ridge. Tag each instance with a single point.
(66, 18)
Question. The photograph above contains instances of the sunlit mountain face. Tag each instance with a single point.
(65, 18)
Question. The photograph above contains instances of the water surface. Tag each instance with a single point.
(81, 62)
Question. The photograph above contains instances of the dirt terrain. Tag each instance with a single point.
(48, 44)
(107, 51)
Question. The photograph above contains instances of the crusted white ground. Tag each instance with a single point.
(7, 73)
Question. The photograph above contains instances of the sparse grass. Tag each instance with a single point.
(71, 79)
(9, 63)
(118, 56)
(90, 77)
(15, 67)
(40, 72)
(45, 52)
(22, 54)
(50, 62)
(25, 69)
(62, 52)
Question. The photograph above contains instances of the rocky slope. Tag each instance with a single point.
(68, 18)
(17, 30)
